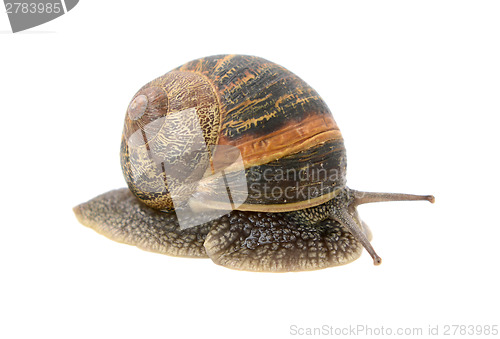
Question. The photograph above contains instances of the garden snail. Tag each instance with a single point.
(193, 133)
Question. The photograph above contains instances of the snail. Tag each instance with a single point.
(237, 159)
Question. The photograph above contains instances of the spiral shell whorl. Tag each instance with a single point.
(159, 133)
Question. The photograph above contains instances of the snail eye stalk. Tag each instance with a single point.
(369, 197)
(344, 218)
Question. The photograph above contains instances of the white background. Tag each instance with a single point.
(414, 87)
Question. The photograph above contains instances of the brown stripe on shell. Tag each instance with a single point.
(291, 138)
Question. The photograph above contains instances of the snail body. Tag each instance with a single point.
(247, 155)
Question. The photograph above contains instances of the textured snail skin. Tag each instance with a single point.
(277, 123)
(120, 216)
(242, 240)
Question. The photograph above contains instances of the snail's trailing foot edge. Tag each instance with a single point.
(121, 217)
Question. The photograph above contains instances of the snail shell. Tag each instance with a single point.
(259, 132)
(279, 124)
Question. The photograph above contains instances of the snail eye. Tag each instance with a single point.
(137, 107)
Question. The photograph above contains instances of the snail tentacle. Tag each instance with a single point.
(369, 197)
(342, 216)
